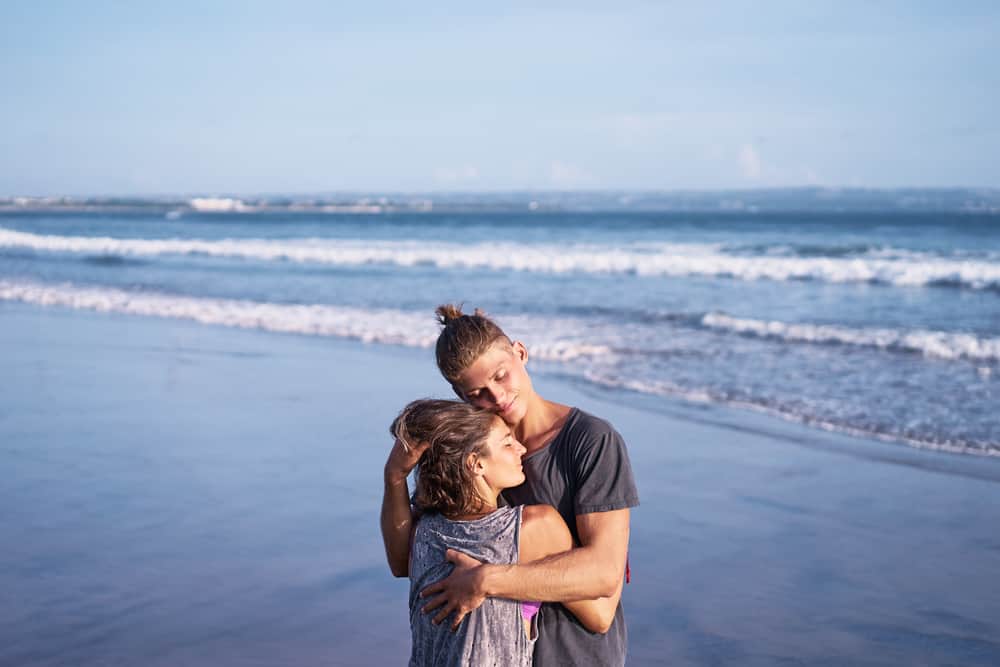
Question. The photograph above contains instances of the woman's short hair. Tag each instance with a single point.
(463, 339)
(454, 430)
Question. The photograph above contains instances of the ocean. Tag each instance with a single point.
(878, 323)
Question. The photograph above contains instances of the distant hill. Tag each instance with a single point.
(966, 200)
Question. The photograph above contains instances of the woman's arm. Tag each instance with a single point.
(396, 520)
(543, 533)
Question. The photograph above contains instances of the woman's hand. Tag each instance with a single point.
(403, 458)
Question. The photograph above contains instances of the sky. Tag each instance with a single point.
(142, 98)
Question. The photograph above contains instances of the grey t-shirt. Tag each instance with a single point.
(492, 635)
(584, 469)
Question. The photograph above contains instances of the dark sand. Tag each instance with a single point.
(174, 494)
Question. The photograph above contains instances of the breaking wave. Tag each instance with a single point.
(388, 326)
(937, 344)
(899, 268)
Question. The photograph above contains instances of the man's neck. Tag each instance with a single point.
(542, 422)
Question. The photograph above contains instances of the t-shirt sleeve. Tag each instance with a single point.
(604, 479)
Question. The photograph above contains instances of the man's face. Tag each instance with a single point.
(497, 381)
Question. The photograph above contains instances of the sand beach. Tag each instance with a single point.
(183, 494)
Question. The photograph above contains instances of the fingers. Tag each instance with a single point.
(402, 449)
(432, 589)
(445, 611)
(443, 614)
(414, 449)
(435, 603)
(451, 607)
(459, 615)
(447, 597)
(460, 559)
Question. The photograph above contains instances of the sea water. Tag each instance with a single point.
(880, 323)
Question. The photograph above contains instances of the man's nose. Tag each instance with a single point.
(498, 394)
(487, 398)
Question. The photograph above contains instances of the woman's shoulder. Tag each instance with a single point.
(494, 526)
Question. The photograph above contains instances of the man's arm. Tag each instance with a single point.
(544, 533)
(396, 519)
(594, 570)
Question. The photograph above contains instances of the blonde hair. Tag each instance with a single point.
(463, 339)
(454, 430)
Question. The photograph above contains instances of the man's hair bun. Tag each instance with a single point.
(448, 312)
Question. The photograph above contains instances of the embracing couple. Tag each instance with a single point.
(516, 541)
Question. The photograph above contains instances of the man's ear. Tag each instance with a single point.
(520, 350)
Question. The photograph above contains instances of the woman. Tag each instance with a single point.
(470, 456)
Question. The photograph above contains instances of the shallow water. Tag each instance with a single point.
(879, 324)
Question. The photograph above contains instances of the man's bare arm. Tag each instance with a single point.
(396, 518)
(593, 570)
(543, 534)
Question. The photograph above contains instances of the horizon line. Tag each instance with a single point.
(513, 191)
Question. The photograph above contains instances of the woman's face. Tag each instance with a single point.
(497, 381)
(502, 463)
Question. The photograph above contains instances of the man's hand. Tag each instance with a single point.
(461, 592)
(403, 458)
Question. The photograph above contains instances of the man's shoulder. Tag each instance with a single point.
(583, 425)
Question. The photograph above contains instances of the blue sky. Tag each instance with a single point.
(250, 97)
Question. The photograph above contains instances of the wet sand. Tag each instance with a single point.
(176, 494)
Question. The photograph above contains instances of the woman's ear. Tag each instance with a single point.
(475, 464)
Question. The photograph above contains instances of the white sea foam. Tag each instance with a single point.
(389, 326)
(558, 339)
(703, 395)
(904, 269)
(937, 344)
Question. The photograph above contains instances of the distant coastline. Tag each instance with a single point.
(776, 200)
